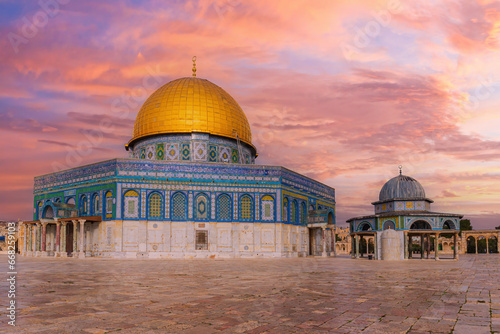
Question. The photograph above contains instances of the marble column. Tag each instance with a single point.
(375, 250)
(58, 238)
(38, 238)
(25, 241)
(63, 252)
(487, 246)
(44, 239)
(475, 239)
(357, 246)
(436, 246)
(75, 238)
(81, 251)
(323, 253)
(406, 247)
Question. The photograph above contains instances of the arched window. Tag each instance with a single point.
(83, 205)
(293, 215)
(246, 207)
(389, 225)
(201, 207)
(303, 216)
(155, 205)
(70, 200)
(267, 213)
(48, 212)
(285, 210)
(97, 204)
(109, 204)
(224, 208)
(131, 204)
(179, 208)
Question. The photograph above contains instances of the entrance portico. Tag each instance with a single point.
(38, 238)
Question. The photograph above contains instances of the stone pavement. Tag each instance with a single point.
(299, 295)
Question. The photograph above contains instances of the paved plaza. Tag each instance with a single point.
(298, 295)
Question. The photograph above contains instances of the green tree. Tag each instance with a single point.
(465, 225)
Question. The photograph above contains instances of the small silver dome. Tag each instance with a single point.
(402, 187)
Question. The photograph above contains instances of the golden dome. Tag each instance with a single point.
(190, 105)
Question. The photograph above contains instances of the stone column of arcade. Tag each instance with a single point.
(81, 253)
(487, 247)
(63, 252)
(436, 247)
(58, 237)
(375, 250)
(357, 246)
(323, 253)
(44, 237)
(25, 241)
(75, 237)
(406, 247)
(410, 251)
(38, 237)
(476, 243)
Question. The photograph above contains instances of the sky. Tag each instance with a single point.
(341, 91)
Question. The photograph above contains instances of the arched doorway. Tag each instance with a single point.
(471, 244)
(330, 218)
(48, 212)
(493, 244)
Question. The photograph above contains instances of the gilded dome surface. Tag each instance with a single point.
(190, 105)
(402, 187)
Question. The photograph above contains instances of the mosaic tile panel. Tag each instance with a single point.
(212, 153)
(234, 156)
(224, 154)
(160, 152)
(190, 205)
(200, 151)
(172, 152)
(155, 206)
(246, 208)
(151, 152)
(143, 153)
(185, 151)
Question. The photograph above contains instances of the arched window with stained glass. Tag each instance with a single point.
(285, 210)
(96, 204)
(303, 216)
(131, 204)
(83, 205)
(109, 204)
(155, 206)
(246, 208)
(201, 207)
(224, 208)
(294, 209)
(179, 206)
(267, 211)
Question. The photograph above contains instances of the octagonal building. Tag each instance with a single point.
(190, 188)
